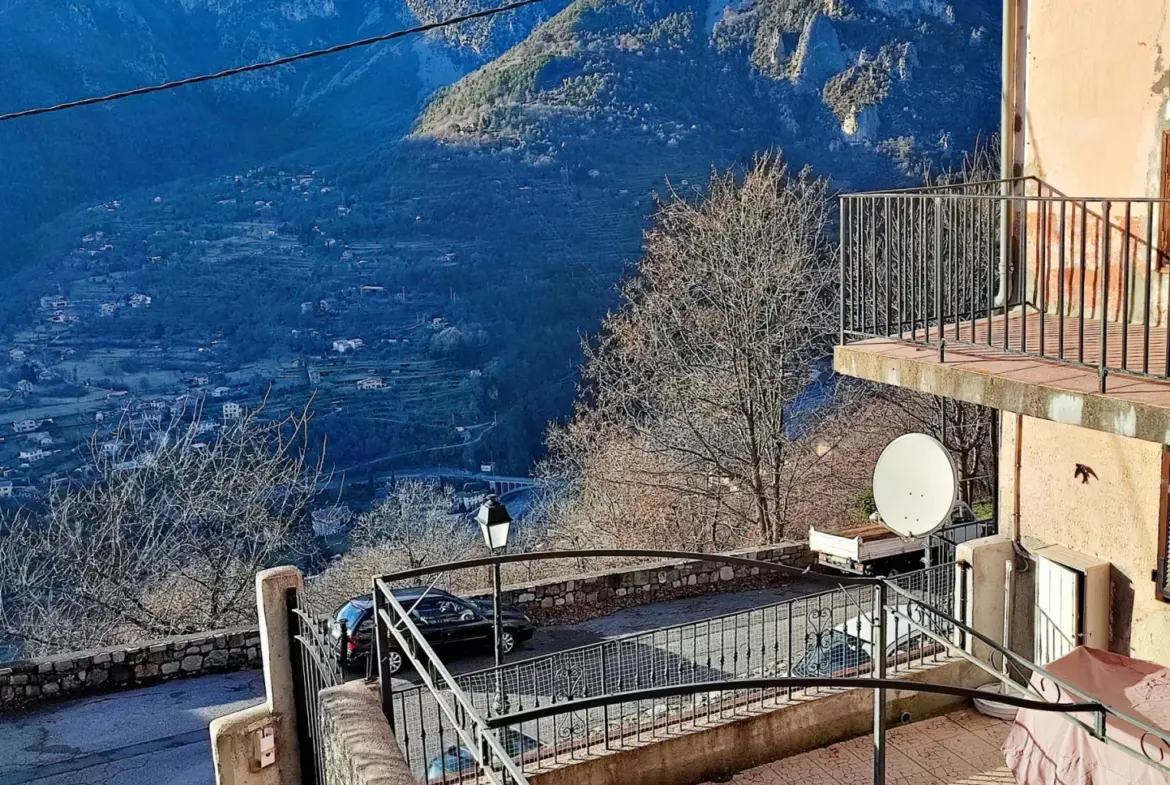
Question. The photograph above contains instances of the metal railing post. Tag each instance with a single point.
(879, 693)
(1103, 274)
(938, 275)
(382, 649)
(844, 235)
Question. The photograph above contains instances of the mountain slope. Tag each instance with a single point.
(471, 242)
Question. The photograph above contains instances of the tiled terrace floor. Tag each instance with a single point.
(961, 748)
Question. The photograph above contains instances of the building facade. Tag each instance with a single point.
(1046, 296)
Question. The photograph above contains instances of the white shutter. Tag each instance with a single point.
(1058, 611)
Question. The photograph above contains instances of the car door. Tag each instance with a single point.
(471, 625)
(436, 620)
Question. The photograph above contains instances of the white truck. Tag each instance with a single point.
(872, 549)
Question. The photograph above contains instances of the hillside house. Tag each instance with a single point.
(140, 300)
(199, 381)
(108, 309)
(232, 411)
(53, 301)
(24, 426)
(32, 456)
(347, 345)
(16, 355)
(39, 438)
(331, 521)
(1047, 300)
(314, 377)
(156, 405)
(152, 418)
(112, 447)
(307, 307)
(5, 489)
(372, 383)
(221, 391)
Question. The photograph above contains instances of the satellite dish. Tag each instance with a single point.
(915, 485)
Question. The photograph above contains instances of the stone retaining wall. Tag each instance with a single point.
(27, 682)
(579, 597)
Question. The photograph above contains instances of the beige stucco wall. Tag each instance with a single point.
(1113, 518)
(1096, 100)
(1097, 90)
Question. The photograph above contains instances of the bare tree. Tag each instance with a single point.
(412, 527)
(165, 538)
(691, 390)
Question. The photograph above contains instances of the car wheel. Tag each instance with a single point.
(393, 662)
(507, 641)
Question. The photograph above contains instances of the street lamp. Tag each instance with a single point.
(494, 524)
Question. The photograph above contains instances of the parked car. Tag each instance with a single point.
(457, 763)
(445, 621)
(847, 649)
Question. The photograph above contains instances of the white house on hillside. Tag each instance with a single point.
(232, 411)
(24, 426)
(372, 383)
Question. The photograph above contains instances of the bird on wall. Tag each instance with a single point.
(1084, 472)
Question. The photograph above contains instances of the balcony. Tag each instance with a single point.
(1065, 316)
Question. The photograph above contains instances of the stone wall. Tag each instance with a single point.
(589, 595)
(27, 682)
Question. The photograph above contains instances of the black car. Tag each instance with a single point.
(443, 619)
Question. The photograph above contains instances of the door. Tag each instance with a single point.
(1059, 606)
(470, 624)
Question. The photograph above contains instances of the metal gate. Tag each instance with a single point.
(318, 662)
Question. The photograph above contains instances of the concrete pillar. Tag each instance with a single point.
(235, 739)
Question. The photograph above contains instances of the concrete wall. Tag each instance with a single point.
(577, 597)
(27, 682)
(1097, 99)
(360, 748)
(717, 753)
(1097, 94)
(1112, 518)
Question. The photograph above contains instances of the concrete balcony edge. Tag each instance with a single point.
(1120, 411)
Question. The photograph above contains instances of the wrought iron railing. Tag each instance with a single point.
(1024, 678)
(1073, 279)
(810, 636)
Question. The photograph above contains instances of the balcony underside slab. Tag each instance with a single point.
(1049, 389)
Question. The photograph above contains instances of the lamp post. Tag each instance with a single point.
(494, 524)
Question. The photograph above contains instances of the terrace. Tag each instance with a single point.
(1011, 295)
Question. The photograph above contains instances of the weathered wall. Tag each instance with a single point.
(360, 748)
(1112, 518)
(717, 753)
(1098, 87)
(26, 682)
(578, 597)
(1097, 102)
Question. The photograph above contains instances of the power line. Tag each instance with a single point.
(268, 64)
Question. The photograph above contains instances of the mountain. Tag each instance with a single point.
(55, 50)
(468, 230)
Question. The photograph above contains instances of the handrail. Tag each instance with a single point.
(716, 558)
(417, 639)
(1025, 663)
(729, 685)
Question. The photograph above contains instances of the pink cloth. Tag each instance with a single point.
(1044, 748)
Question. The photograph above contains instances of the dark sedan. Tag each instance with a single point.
(445, 621)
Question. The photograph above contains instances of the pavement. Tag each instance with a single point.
(961, 748)
(158, 735)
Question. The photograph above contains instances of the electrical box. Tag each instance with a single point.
(265, 746)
